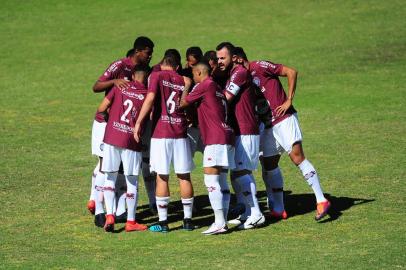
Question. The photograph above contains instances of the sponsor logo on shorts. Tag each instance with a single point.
(101, 147)
(130, 196)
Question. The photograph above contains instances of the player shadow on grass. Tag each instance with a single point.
(295, 204)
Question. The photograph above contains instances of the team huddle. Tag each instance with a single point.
(234, 111)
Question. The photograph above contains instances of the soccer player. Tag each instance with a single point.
(240, 94)
(117, 74)
(169, 141)
(218, 139)
(284, 135)
(120, 146)
(193, 56)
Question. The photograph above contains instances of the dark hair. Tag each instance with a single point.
(226, 44)
(205, 64)
(143, 42)
(210, 55)
(239, 51)
(141, 68)
(130, 52)
(174, 53)
(170, 60)
(196, 52)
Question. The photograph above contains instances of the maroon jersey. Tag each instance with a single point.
(211, 111)
(125, 107)
(120, 69)
(242, 107)
(265, 75)
(168, 121)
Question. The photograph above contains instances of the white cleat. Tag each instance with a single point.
(237, 221)
(252, 222)
(215, 229)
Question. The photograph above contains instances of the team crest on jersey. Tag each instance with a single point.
(256, 81)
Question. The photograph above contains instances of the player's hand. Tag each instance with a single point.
(121, 83)
(281, 110)
(137, 132)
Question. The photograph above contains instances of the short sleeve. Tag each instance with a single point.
(196, 94)
(153, 82)
(111, 72)
(112, 92)
(237, 80)
(272, 68)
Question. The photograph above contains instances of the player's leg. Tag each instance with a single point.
(91, 204)
(131, 166)
(99, 215)
(160, 160)
(110, 166)
(289, 135)
(150, 185)
(183, 165)
(120, 211)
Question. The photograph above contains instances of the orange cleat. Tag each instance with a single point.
(91, 206)
(134, 226)
(322, 209)
(279, 215)
(109, 225)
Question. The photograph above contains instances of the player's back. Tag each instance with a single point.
(168, 120)
(125, 107)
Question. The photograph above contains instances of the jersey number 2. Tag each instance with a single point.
(129, 105)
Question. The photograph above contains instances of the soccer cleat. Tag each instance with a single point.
(252, 222)
(121, 218)
(109, 225)
(188, 225)
(215, 229)
(91, 206)
(322, 209)
(100, 220)
(237, 221)
(134, 226)
(237, 210)
(278, 215)
(161, 226)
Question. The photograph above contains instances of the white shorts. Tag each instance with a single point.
(113, 155)
(246, 152)
(281, 137)
(163, 151)
(219, 155)
(97, 138)
(195, 139)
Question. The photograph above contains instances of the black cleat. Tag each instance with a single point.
(99, 220)
(188, 225)
(121, 218)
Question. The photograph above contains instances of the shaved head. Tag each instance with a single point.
(200, 72)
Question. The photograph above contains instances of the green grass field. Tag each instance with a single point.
(351, 99)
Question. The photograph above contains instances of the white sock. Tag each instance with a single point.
(162, 207)
(132, 194)
(109, 191)
(150, 182)
(187, 207)
(99, 187)
(121, 189)
(274, 179)
(249, 190)
(93, 189)
(215, 197)
(310, 175)
(226, 193)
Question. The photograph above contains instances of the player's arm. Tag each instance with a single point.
(104, 105)
(100, 86)
(188, 83)
(144, 113)
(291, 75)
